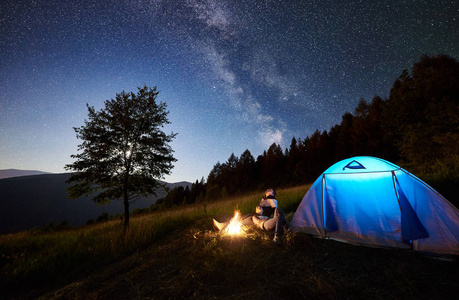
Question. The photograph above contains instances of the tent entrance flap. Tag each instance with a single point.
(412, 228)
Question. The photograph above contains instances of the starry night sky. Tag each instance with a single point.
(235, 75)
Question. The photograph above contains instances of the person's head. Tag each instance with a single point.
(270, 193)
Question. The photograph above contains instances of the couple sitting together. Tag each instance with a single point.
(268, 216)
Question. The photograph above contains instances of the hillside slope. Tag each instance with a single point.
(8, 173)
(199, 263)
(176, 254)
(33, 201)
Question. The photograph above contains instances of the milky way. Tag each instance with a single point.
(235, 75)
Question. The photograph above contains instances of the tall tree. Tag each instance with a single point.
(124, 150)
(245, 171)
(273, 167)
(292, 157)
(422, 113)
(231, 180)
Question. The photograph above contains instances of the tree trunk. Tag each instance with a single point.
(126, 214)
(126, 203)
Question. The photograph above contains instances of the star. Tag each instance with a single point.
(235, 75)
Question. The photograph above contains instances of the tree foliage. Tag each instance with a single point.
(123, 150)
(422, 113)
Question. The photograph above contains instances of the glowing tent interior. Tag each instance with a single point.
(367, 200)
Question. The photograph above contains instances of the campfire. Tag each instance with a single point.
(235, 225)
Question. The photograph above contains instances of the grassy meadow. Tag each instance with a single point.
(52, 258)
(176, 254)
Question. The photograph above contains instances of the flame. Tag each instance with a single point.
(235, 225)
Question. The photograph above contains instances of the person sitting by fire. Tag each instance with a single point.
(268, 216)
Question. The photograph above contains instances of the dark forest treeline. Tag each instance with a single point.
(416, 127)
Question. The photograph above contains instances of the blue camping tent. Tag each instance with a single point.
(371, 201)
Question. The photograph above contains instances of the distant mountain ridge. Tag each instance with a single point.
(8, 173)
(32, 201)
